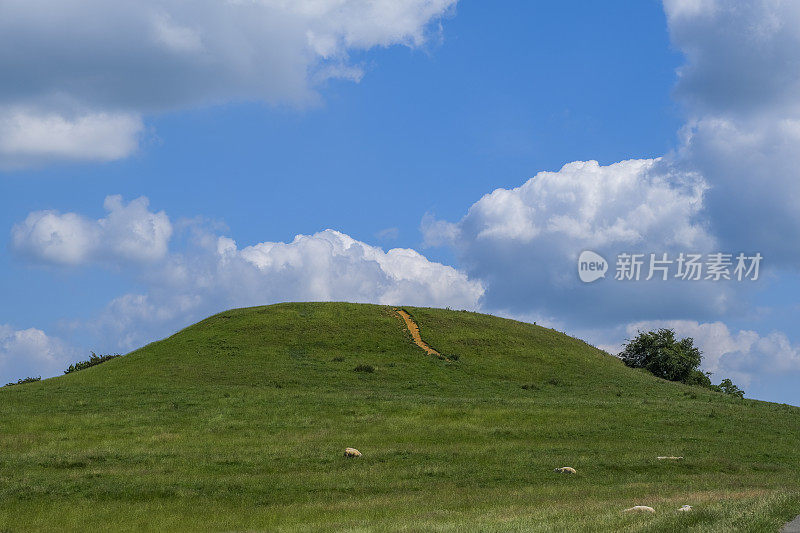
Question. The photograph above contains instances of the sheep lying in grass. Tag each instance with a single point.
(640, 509)
(685, 508)
(565, 470)
(351, 452)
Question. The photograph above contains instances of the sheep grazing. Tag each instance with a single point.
(640, 509)
(668, 458)
(351, 452)
(685, 508)
(565, 470)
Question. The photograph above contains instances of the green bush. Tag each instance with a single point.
(25, 380)
(364, 368)
(92, 361)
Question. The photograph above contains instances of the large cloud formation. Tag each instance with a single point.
(79, 75)
(524, 242)
(741, 89)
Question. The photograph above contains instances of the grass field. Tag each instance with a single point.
(239, 423)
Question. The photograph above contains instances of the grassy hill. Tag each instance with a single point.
(239, 423)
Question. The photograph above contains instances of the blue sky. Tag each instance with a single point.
(391, 136)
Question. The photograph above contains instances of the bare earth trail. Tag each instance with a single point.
(414, 330)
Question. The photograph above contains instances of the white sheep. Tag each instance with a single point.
(351, 452)
(685, 508)
(640, 509)
(668, 458)
(565, 470)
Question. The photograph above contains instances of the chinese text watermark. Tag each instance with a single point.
(663, 266)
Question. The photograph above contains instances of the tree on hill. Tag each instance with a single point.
(667, 357)
(663, 355)
(728, 387)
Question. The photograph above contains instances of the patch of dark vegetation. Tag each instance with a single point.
(503, 433)
(664, 356)
(222, 347)
(364, 368)
(25, 380)
(298, 353)
(92, 361)
(338, 359)
(73, 461)
(530, 386)
(305, 312)
(67, 464)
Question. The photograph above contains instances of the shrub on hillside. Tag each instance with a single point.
(25, 380)
(364, 368)
(698, 377)
(92, 361)
(674, 359)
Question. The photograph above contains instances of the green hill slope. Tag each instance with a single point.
(239, 423)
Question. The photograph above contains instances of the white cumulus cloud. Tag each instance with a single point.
(586, 204)
(129, 233)
(524, 242)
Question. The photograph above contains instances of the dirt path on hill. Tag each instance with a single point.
(414, 330)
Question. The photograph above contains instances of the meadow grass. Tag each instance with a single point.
(240, 422)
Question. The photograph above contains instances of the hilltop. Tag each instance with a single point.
(239, 423)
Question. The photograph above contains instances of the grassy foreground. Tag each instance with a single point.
(239, 423)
